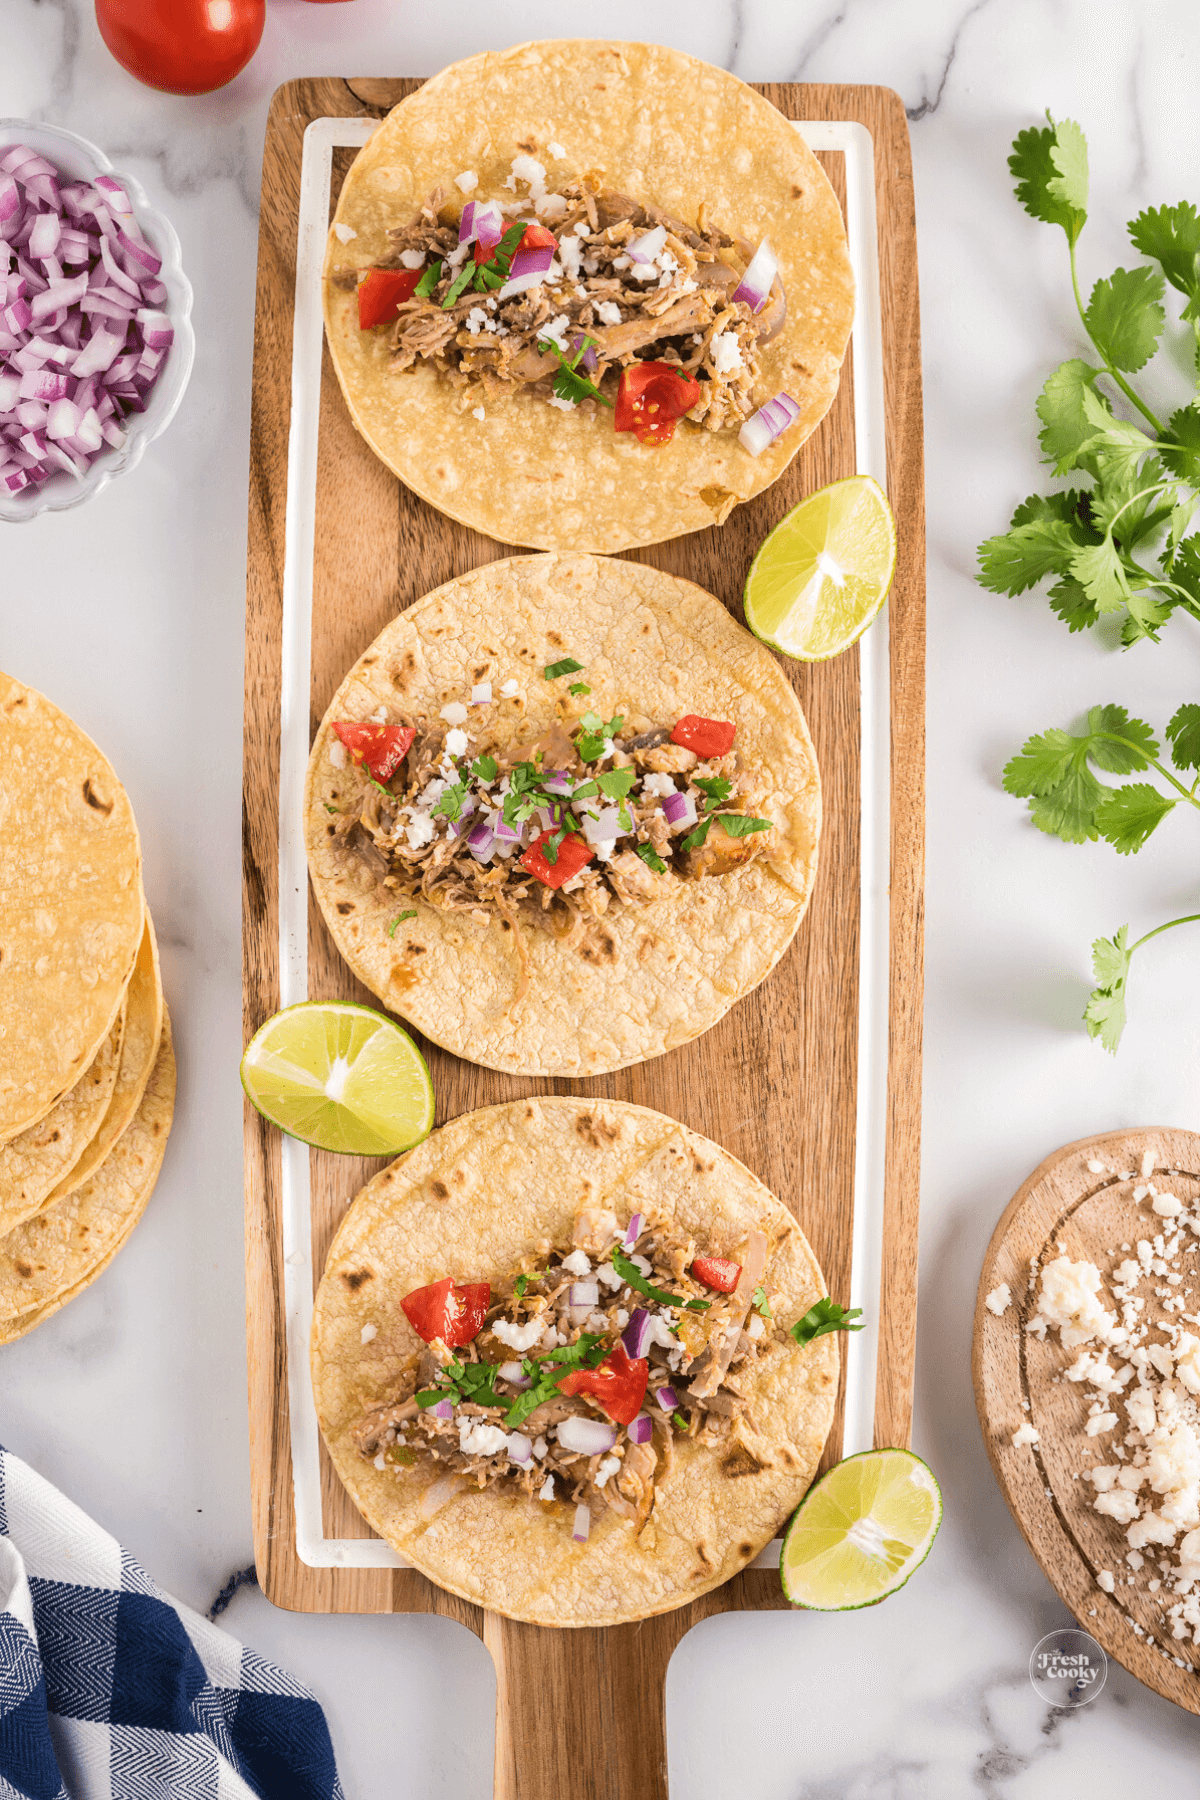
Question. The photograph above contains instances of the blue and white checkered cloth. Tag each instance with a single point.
(111, 1690)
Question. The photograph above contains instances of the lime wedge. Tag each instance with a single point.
(340, 1076)
(824, 572)
(860, 1531)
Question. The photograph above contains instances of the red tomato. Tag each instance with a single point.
(380, 749)
(182, 46)
(706, 737)
(619, 1384)
(574, 853)
(381, 294)
(536, 238)
(450, 1310)
(651, 397)
(718, 1272)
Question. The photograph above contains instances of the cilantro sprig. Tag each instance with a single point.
(1116, 543)
(633, 1278)
(568, 383)
(824, 1317)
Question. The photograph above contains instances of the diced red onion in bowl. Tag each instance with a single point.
(590, 1437)
(584, 1293)
(583, 1524)
(666, 1398)
(755, 284)
(88, 345)
(764, 426)
(650, 244)
(680, 811)
(634, 1232)
(636, 1332)
(642, 1429)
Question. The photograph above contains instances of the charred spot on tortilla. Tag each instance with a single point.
(595, 1131)
(355, 1278)
(740, 1461)
(745, 1550)
(96, 800)
(24, 1269)
(439, 1190)
(415, 949)
(345, 906)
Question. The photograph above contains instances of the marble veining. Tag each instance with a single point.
(129, 612)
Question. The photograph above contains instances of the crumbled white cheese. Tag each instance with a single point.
(381, 1461)
(456, 742)
(477, 1438)
(509, 690)
(640, 1262)
(457, 255)
(528, 170)
(556, 331)
(726, 353)
(563, 405)
(1105, 1580)
(344, 233)
(540, 1447)
(1069, 1301)
(577, 1263)
(998, 1299)
(1148, 1162)
(657, 785)
(368, 1332)
(608, 312)
(468, 181)
(659, 1332)
(412, 259)
(337, 753)
(419, 832)
(557, 152)
(607, 1467)
(1025, 1434)
(379, 716)
(1166, 1206)
(608, 1275)
(550, 207)
(756, 1327)
(1095, 1167)
(454, 713)
(519, 1337)
(546, 1491)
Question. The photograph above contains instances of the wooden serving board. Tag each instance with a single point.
(775, 1081)
(1066, 1207)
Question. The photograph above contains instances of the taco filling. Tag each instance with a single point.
(592, 815)
(601, 302)
(570, 1380)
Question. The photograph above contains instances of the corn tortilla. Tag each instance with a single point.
(665, 129)
(34, 1163)
(655, 648)
(471, 1202)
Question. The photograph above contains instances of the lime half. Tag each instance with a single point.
(340, 1076)
(824, 572)
(860, 1531)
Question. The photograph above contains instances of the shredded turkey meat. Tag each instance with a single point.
(677, 308)
(489, 1414)
(456, 823)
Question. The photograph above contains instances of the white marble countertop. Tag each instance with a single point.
(129, 611)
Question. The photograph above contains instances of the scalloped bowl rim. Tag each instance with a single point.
(60, 491)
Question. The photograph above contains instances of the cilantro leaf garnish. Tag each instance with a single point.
(484, 768)
(1050, 165)
(331, 809)
(1054, 773)
(761, 1304)
(495, 272)
(1125, 317)
(695, 839)
(569, 383)
(616, 783)
(1183, 734)
(740, 825)
(460, 281)
(679, 1419)
(568, 666)
(825, 1316)
(519, 1286)
(429, 280)
(594, 733)
(399, 920)
(587, 1352)
(651, 858)
(450, 802)
(715, 788)
(579, 687)
(633, 1278)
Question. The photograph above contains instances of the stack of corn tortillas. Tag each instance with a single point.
(87, 1071)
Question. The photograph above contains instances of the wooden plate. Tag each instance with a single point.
(1069, 1208)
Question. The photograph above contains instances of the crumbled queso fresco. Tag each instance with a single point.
(1135, 1357)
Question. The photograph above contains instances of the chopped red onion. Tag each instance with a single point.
(767, 423)
(442, 1410)
(583, 1524)
(514, 1374)
(584, 1293)
(634, 1232)
(459, 825)
(78, 351)
(590, 1437)
(482, 842)
(559, 782)
(489, 224)
(650, 244)
(680, 811)
(642, 1429)
(520, 284)
(505, 833)
(636, 1332)
(606, 826)
(532, 262)
(520, 1448)
(666, 1398)
(755, 284)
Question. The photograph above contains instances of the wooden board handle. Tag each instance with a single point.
(582, 1713)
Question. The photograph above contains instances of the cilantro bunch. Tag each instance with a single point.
(1116, 544)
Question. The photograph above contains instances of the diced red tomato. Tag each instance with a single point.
(450, 1310)
(574, 853)
(719, 1272)
(705, 737)
(380, 296)
(651, 398)
(380, 749)
(536, 238)
(619, 1384)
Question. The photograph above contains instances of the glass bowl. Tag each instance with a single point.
(82, 161)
